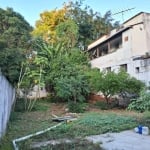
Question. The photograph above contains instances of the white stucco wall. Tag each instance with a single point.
(117, 58)
(139, 40)
(7, 95)
(137, 19)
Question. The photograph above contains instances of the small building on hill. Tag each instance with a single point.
(125, 47)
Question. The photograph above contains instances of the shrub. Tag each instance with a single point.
(102, 105)
(77, 107)
(73, 88)
(142, 103)
(111, 83)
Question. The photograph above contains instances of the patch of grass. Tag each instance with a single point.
(145, 119)
(41, 106)
(90, 124)
(77, 107)
(24, 123)
(102, 105)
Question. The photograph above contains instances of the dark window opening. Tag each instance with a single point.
(137, 69)
(116, 43)
(108, 69)
(124, 67)
(126, 39)
(103, 49)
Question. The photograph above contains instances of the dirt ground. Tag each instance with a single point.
(61, 109)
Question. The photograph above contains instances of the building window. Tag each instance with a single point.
(115, 43)
(126, 39)
(108, 69)
(137, 69)
(124, 67)
(104, 49)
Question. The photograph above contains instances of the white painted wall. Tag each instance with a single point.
(7, 96)
(117, 58)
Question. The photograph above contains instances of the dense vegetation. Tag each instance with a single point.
(111, 83)
(142, 103)
(14, 43)
(52, 57)
(80, 19)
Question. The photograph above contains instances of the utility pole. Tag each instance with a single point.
(122, 12)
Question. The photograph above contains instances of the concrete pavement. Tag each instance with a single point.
(126, 140)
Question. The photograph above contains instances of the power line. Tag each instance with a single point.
(122, 12)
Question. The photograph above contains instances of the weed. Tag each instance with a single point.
(77, 107)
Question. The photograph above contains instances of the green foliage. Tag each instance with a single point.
(77, 107)
(15, 28)
(14, 37)
(74, 23)
(91, 124)
(129, 84)
(62, 71)
(111, 83)
(145, 119)
(91, 24)
(106, 82)
(94, 76)
(146, 115)
(142, 103)
(73, 88)
(102, 105)
(10, 63)
(67, 32)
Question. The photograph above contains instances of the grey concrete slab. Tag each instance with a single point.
(126, 140)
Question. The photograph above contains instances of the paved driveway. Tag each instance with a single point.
(126, 140)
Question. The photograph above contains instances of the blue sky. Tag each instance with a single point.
(31, 9)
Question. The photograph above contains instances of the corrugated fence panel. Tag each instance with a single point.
(7, 96)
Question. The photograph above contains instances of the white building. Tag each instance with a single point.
(127, 47)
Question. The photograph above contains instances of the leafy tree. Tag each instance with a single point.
(94, 77)
(129, 84)
(73, 88)
(10, 63)
(111, 83)
(67, 32)
(46, 25)
(15, 28)
(62, 67)
(14, 37)
(91, 24)
(66, 65)
(83, 18)
(75, 21)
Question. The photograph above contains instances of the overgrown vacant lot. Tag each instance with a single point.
(92, 122)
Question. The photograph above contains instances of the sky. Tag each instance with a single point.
(31, 9)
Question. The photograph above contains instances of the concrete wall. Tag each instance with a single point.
(7, 96)
(117, 58)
